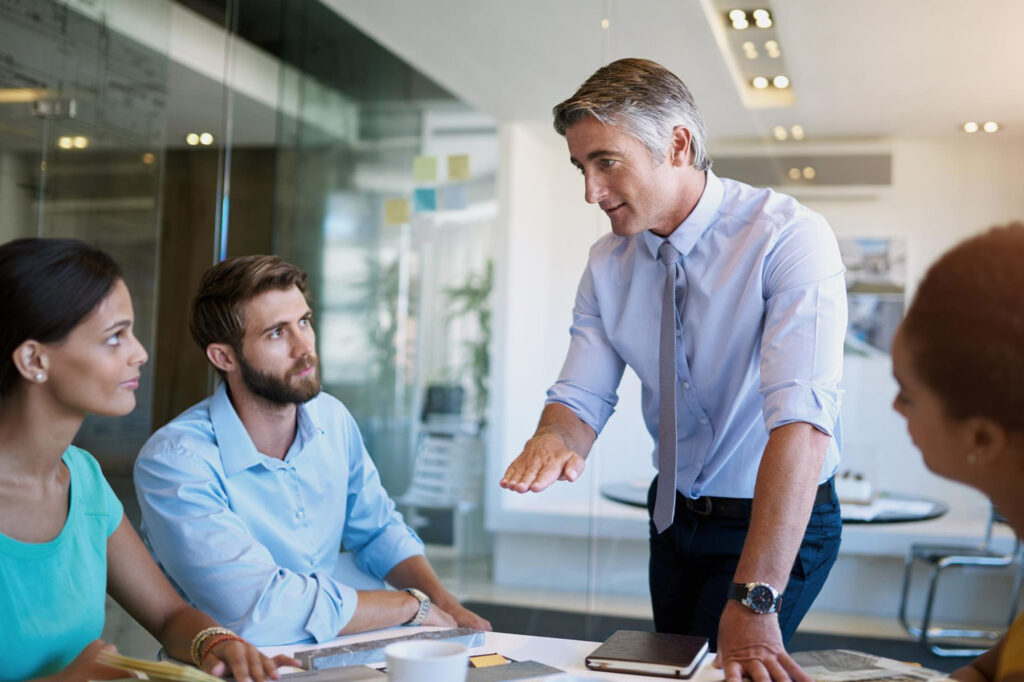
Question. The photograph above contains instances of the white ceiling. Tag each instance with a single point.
(859, 68)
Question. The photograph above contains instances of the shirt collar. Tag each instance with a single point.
(689, 232)
(237, 451)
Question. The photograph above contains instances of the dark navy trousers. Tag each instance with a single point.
(693, 562)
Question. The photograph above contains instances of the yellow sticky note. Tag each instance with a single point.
(396, 211)
(487, 660)
(458, 167)
(424, 168)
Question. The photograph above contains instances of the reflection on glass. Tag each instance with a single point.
(73, 159)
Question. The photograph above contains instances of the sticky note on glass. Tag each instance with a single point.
(458, 167)
(424, 199)
(396, 211)
(453, 198)
(424, 168)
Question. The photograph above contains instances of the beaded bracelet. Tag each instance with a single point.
(197, 641)
(215, 640)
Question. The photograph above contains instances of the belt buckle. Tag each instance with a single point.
(701, 505)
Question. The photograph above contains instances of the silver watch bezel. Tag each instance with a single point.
(776, 597)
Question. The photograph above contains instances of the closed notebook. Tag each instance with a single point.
(649, 653)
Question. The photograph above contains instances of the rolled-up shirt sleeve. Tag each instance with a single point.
(804, 327)
(590, 376)
(207, 550)
(374, 530)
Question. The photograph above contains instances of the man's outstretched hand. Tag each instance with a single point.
(544, 460)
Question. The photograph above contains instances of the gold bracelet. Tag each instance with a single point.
(197, 641)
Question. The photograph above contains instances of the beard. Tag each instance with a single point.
(282, 390)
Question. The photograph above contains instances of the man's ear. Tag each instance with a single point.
(679, 150)
(222, 356)
(31, 360)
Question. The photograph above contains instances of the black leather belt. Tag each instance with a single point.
(739, 507)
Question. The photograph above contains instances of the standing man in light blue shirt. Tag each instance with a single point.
(729, 303)
(248, 497)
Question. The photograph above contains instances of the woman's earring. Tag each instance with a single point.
(40, 376)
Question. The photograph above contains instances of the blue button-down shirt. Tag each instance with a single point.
(763, 312)
(255, 541)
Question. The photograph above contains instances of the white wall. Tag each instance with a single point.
(942, 191)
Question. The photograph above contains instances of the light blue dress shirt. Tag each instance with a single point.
(254, 541)
(761, 341)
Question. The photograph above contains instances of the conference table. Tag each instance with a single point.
(884, 508)
(565, 654)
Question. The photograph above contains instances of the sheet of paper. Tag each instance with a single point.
(884, 507)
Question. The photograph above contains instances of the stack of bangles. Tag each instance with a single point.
(208, 638)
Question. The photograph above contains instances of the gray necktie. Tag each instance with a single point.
(665, 501)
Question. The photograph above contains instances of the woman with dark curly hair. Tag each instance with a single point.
(959, 360)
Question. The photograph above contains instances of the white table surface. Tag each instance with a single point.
(565, 654)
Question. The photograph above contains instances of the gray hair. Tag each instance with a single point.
(645, 99)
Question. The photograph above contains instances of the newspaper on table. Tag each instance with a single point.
(842, 665)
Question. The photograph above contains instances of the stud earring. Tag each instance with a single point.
(40, 376)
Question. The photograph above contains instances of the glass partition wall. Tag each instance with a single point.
(174, 134)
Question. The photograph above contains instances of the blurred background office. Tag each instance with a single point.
(401, 153)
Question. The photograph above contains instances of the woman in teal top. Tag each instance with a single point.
(67, 350)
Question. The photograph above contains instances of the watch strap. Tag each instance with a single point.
(424, 607)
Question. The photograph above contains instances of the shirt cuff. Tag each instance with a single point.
(334, 607)
(396, 544)
(801, 401)
(591, 409)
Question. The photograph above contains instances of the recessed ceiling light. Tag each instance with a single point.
(990, 127)
(772, 48)
(762, 18)
(750, 50)
(759, 82)
(780, 133)
(65, 143)
(797, 131)
(148, 158)
(794, 173)
(737, 15)
(781, 82)
(971, 127)
(192, 139)
(605, 23)
(80, 142)
(740, 24)
(809, 173)
(205, 139)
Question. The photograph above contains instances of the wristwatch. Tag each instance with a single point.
(758, 597)
(421, 612)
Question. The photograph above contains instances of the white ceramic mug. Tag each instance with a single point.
(426, 659)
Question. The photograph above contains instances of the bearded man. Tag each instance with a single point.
(248, 496)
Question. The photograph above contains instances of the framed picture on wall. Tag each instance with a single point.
(876, 291)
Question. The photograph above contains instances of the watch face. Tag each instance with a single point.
(761, 598)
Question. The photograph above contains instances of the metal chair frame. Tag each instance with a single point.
(940, 557)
